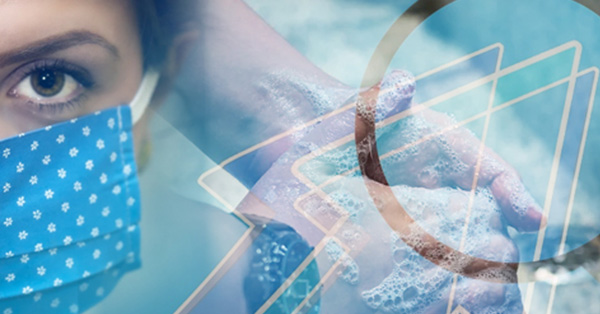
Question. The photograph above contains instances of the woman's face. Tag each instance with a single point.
(60, 59)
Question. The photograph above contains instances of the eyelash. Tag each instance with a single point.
(79, 74)
(57, 108)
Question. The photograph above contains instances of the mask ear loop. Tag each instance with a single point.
(143, 96)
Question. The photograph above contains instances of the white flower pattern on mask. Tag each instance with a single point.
(73, 152)
(51, 227)
(10, 277)
(49, 194)
(62, 173)
(116, 190)
(55, 302)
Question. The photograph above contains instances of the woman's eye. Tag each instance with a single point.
(47, 85)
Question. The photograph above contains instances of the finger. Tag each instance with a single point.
(477, 296)
(518, 206)
(473, 295)
(393, 94)
(397, 90)
(429, 247)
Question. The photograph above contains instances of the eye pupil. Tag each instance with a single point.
(47, 79)
(47, 83)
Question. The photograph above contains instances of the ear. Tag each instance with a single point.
(180, 48)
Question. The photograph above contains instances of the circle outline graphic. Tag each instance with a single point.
(379, 190)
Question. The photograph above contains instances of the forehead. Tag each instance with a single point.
(23, 21)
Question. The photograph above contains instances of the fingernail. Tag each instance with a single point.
(535, 219)
(397, 91)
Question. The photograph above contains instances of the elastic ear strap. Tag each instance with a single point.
(142, 98)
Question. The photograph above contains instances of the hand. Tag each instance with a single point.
(435, 151)
(438, 171)
(414, 284)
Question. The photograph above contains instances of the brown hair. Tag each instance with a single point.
(159, 22)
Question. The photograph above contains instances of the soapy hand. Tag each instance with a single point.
(414, 284)
(435, 152)
(433, 182)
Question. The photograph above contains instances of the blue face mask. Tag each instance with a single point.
(69, 200)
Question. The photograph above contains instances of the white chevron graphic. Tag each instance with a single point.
(460, 310)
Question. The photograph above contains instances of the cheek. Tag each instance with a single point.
(6, 130)
(141, 140)
(120, 90)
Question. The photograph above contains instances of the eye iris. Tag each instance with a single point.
(47, 83)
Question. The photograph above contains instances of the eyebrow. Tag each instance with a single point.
(55, 43)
